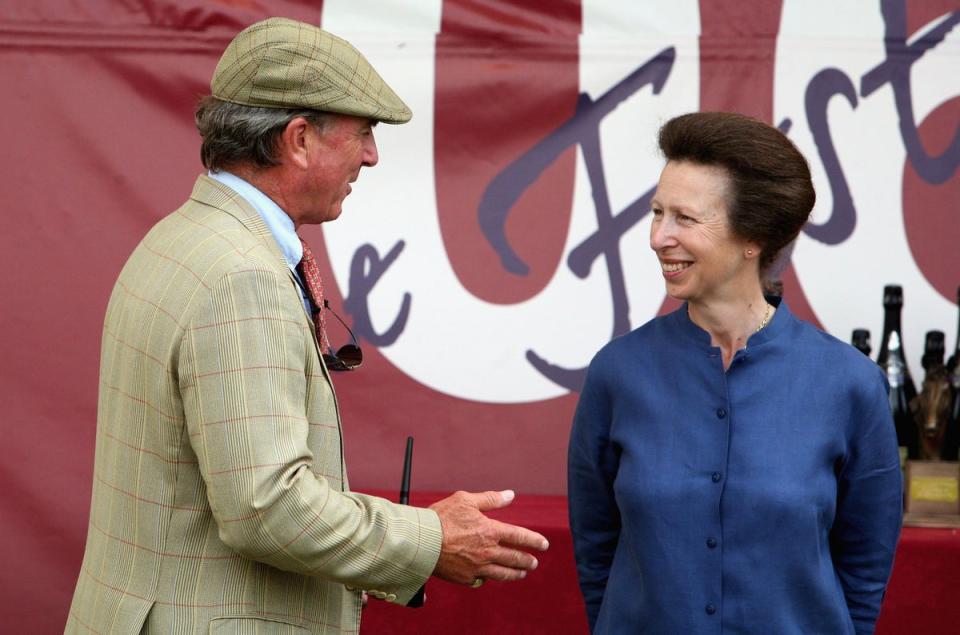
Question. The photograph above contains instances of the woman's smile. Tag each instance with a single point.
(673, 268)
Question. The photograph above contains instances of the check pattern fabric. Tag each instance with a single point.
(220, 500)
(282, 63)
(309, 270)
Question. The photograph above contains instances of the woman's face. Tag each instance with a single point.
(700, 257)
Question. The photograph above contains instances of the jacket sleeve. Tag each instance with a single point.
(869, 507)
(243, 379)
(594, 515)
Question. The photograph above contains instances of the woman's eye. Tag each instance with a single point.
(657, 212)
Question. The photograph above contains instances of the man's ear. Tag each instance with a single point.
(292, 143)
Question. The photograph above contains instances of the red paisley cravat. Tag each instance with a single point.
(310, 273)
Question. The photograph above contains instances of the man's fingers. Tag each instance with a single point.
(477, 546)
(501, 574)
(513, 559)
(505, 565)
(492, 500)
(515, 536)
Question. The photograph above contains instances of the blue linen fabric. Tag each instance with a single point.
(766, 498)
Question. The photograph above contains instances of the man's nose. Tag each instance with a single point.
(370, 155)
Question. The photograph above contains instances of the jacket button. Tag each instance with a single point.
(711, 542)
(710, 609)
(721, 413)
(715, 477)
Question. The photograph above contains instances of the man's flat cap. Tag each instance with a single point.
(281, 63)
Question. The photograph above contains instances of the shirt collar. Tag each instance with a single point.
(778, 324)
(276, 220)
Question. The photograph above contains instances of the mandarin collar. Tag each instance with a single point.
(777, 325)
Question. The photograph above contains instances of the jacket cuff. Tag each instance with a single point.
(424, 561)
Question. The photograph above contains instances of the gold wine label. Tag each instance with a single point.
(934, 489)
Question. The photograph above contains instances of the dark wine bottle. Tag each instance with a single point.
(861, 341)
(933, 350)
(894, 362)
(951, 437)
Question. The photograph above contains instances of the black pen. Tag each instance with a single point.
(420, 596)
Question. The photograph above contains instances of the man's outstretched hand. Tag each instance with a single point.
(476, 547)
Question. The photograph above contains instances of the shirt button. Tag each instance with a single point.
(710, 609)
(715, 477)
(721, 413)
(711, 542)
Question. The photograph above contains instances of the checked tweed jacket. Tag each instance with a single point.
(220, 500)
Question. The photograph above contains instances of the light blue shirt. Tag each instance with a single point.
(276, 220)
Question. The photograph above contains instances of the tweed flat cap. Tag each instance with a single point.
(281, 63)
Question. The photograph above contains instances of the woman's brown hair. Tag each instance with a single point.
(771, 195)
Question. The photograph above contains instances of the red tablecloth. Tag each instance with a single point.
(923, 596)
(924, 592)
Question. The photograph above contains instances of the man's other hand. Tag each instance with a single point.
(476, 547)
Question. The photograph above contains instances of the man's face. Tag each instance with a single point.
(335, 155)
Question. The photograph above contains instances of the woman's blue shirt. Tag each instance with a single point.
(761, 499)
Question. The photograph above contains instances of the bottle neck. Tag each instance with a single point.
(891, 324)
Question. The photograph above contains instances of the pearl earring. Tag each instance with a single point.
(749, 252)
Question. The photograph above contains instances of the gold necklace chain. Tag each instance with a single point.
(765, 320)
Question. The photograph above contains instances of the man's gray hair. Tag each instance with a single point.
(244, 135)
